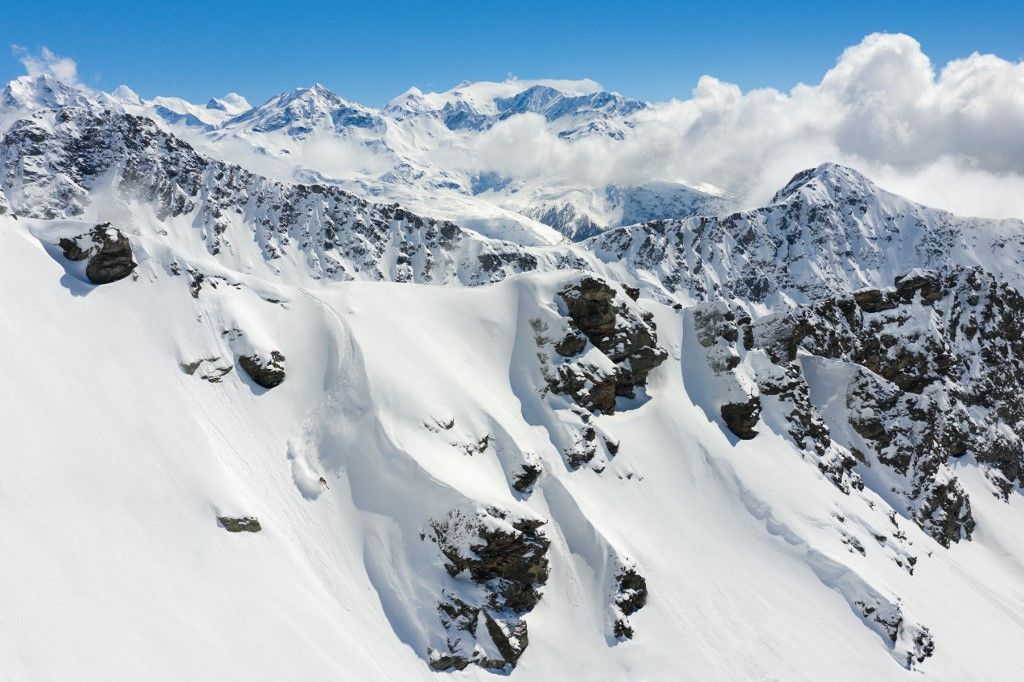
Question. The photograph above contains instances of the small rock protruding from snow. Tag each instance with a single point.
(267, 371)
(108, 251)
(240, 524)
(630, 597)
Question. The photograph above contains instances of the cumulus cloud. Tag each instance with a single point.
(953, 137)
(46, 62)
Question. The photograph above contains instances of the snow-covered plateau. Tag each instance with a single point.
(297, 392)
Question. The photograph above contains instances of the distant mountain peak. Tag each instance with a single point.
(302, 110)
(42, 91)
(828, 178)
(231, 103)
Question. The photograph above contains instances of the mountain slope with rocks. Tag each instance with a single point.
(251, 403)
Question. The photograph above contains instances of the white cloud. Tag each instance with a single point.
(952, 138)
(63, 69)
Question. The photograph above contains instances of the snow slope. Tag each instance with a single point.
(493, 451)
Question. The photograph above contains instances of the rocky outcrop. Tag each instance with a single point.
(498, 563)
(934, 367)
(525, 480)
(912, 643)
(630, 597)
(597, 352)
(615, 326)
(265, 370)
(604, 318)
(107, 250)
(829, 232)
(240, 524)
(741, 418)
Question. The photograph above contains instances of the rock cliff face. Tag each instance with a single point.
(602, 318)
(928, 370)
(499, 563)
(52, 163)
(597, 352)
(829, 232)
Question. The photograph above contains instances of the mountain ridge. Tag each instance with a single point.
(783, 441)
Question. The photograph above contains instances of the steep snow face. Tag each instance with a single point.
(341, 438)
(391, 452)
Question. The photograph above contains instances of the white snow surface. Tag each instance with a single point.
(117, 464)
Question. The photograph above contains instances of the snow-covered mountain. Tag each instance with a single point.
(263, 422)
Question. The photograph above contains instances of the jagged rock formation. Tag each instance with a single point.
(741, 418)
(527, 478)
(624, 335)
(596, 352)
(935, 371)
(829, 232)
(107, 250)
(505, 558)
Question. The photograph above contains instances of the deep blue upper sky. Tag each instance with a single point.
(373, 50)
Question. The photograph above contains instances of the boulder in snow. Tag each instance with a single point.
(267, 371)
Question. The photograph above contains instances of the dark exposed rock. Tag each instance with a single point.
(622, 332)
(525, 480)
(506, 556)
(240, 524)
(945, 513)
(267, 372)
(873, 301)
(72, 251)
(887, 619)
(588, 386)
(923, 282)
(591, 309)
(630, 597)
(108, 251)
(936, 368)
(741, 418)
(572, 345)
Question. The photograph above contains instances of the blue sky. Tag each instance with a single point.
(371, 51)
